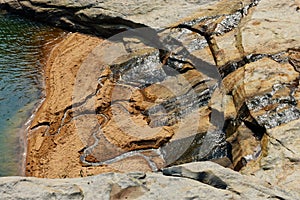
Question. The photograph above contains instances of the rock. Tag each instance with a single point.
(271, 19)
(105, 17)
(154, 97)
(244, 146)
(258, 81)
(235, 182)
(139, 185)
(264, 100)
(267, 19)
(143, 122)
(134, 112)
(267, 103)
(48, 153)
(280, 165)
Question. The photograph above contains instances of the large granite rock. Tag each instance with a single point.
(204, 180)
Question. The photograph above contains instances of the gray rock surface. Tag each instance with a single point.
(138, 185)
(106, 17)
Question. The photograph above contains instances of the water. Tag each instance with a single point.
(21, 85)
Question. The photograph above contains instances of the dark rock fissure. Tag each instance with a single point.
(295, 62)
(281, 143)
(232, 66)
(40, 124)
(244, 116)
(206, 177)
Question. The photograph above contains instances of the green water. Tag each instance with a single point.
(20, 83)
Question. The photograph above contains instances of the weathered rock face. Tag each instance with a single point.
(204, 180)
(280, 165)
(105, 18)
(154, 98)
(141, 98)
(140, 109)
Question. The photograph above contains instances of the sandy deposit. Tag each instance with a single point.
(50, 154)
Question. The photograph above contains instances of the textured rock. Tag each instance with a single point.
(269, 28)
(244, 145)
(44, 156)
(259, 78)
(280, 165)
(216, 176)
(262, 77)
(201, 181)
(272, 27)
(105, 17)
(151, 99)
(134, 112)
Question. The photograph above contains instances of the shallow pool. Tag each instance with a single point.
(21, 83)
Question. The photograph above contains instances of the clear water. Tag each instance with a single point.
(21, 44)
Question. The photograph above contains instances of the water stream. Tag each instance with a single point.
(21, 82)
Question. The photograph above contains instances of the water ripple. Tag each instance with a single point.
(20, 81)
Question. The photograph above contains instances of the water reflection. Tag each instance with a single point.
(21, 44)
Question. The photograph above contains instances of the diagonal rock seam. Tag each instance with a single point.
(232, 66)
(206, 177)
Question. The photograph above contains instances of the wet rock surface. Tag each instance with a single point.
(139, 110)
(219, 83)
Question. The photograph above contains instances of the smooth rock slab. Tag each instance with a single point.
(106, 17)
(273, 27)
(144, 186)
